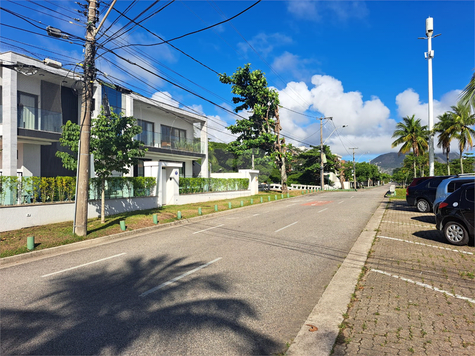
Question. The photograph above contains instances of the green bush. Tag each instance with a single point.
(202, 185)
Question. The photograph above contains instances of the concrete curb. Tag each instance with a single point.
(327, 315)
(80, 245)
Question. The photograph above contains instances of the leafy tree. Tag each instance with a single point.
(262, 128)
(460, 128)
(445, 137)
(412, 135)
(468, 93)
(112, 144)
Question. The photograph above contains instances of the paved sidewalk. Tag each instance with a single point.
(417, 296)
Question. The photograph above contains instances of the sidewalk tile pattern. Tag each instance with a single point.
(392, 316)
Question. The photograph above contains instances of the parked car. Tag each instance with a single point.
(455, 216)
(422, 194)
(450, 185)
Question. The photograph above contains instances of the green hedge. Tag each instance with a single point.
(201, 185)
(27, 190)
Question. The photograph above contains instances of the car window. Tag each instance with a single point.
(451, 187)
(470, 195)
(434, 183)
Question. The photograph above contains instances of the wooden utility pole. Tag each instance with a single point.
(82, 192)
(354, 166)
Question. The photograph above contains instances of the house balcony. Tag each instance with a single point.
(31, 118)
(154, 139)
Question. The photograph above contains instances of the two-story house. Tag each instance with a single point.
(37, 97)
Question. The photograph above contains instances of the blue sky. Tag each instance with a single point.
(360, 62)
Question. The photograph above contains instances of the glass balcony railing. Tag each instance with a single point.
(38, 119)
(154, 139)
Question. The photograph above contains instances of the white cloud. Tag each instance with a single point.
(409, 104)
(317, 10)
(165, 97)
(293, 65)
(369, 125)
(264, 44)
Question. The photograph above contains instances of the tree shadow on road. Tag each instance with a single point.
(100, 311)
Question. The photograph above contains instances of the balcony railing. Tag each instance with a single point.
(38, 119)
(154, 139)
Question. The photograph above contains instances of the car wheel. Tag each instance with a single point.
(455, 233)
(423, 206)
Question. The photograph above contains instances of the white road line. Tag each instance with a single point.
(458, 296)
(419, 243)
(178, 278)
(401, 223)
(341, 202)
(86, 264)
(256, 214)
(323, 210)
(285, 227)
(210, 228)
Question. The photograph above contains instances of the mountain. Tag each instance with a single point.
(389, 161)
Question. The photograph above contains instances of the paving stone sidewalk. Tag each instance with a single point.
(417, 295)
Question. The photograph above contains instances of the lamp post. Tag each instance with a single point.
(429, 55)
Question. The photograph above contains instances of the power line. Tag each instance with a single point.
(193, 32)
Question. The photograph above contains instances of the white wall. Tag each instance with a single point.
(30, 159)
(17, 217)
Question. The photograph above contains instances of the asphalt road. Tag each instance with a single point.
(239, 283)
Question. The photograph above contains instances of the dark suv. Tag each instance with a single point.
(422, 195)
(455, 215)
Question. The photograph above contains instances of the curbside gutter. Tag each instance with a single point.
(327, 315)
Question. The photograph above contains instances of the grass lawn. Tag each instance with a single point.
(14, 242)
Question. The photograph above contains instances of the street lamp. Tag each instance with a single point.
(429, 55)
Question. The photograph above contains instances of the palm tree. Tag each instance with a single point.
(412, 136)
(468, 93)
(460, 128)
(445, 121)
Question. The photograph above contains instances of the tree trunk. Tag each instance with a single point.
(461, 161)
(448, 163)
(415, 172)
(103, 201)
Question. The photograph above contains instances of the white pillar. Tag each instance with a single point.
(204, 149)
(10, 122)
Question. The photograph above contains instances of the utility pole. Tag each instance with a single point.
(354, 166)
(82, 193)
(321, 151)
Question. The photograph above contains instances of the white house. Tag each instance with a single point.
(37, 97)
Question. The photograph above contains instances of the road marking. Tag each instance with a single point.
(458, 296)
(323, 210)
(401, 223)
(256, 214)
(419, 243)
(210, 228)
(352, 197)
(86, 264)
(285, 227)
(178, 278)
(341, 202)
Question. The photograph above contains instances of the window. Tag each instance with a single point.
(470, 195)
(114, 98)
(27, 111)
(147, 135)
(171, 137)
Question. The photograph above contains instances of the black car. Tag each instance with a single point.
(455, 215)
(422, 195)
